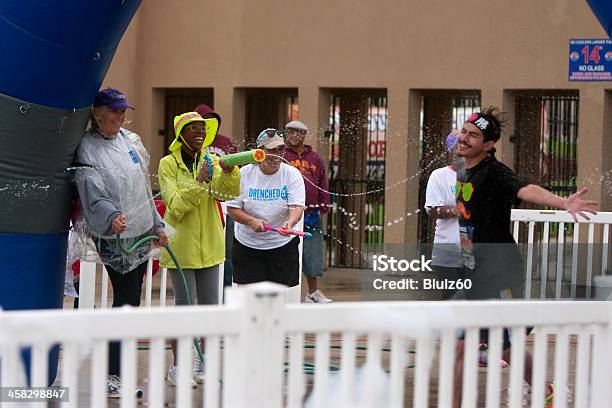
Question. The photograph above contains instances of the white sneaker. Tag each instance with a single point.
(198, 369)
(317, 297)
(113, 387)
(172, 377)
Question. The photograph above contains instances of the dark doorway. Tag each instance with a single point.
(268, 107)
(546, 139)
(358, 124)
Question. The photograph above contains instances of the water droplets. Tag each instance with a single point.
(350, 216)
(29, 189)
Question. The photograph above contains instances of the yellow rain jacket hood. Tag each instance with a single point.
(212, 127)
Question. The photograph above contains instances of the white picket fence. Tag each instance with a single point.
(250, 340)
(89, 292)
(577, 260)
(573, 268)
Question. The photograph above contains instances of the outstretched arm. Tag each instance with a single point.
(573, 204)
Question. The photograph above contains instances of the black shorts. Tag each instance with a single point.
(279, 265)
(498, 274)
(449, 273)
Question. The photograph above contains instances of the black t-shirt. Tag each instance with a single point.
(485, 196)
(188, 160)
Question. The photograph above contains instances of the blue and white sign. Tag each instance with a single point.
(590, 60)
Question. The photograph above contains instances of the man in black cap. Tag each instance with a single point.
(486, 192)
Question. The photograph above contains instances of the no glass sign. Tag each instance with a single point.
(590, 60)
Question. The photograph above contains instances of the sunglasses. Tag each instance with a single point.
(196, 128)
(269, 134)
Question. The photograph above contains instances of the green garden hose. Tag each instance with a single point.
(178, 267)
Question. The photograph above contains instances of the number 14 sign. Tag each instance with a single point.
(590, 60)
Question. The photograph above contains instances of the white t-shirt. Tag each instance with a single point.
(267, 197)
(441, 192)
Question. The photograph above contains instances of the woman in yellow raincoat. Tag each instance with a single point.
(190, 180)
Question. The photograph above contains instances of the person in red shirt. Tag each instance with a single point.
(312, 168)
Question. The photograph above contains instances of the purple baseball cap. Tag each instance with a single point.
(113, 98)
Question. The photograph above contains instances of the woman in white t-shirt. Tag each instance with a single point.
(272, 193)
(440, 205)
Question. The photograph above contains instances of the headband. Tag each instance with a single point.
(487, 124)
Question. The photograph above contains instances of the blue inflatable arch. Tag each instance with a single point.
(55, 55)
(603, 11)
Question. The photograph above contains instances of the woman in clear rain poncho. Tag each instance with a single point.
(116, 197)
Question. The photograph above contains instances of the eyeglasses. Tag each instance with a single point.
(196, 128)
(296, 131)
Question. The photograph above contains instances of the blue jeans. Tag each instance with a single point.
(312, 251)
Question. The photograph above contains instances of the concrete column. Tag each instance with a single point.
(413, 156)
(237, 118)
(314, 106)
(324, 105)
(151, 110)
(592, 145)
(591, 156)
(224, 106)
(308, 112)
(396, 165)
(156, 145)
(123, 72)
